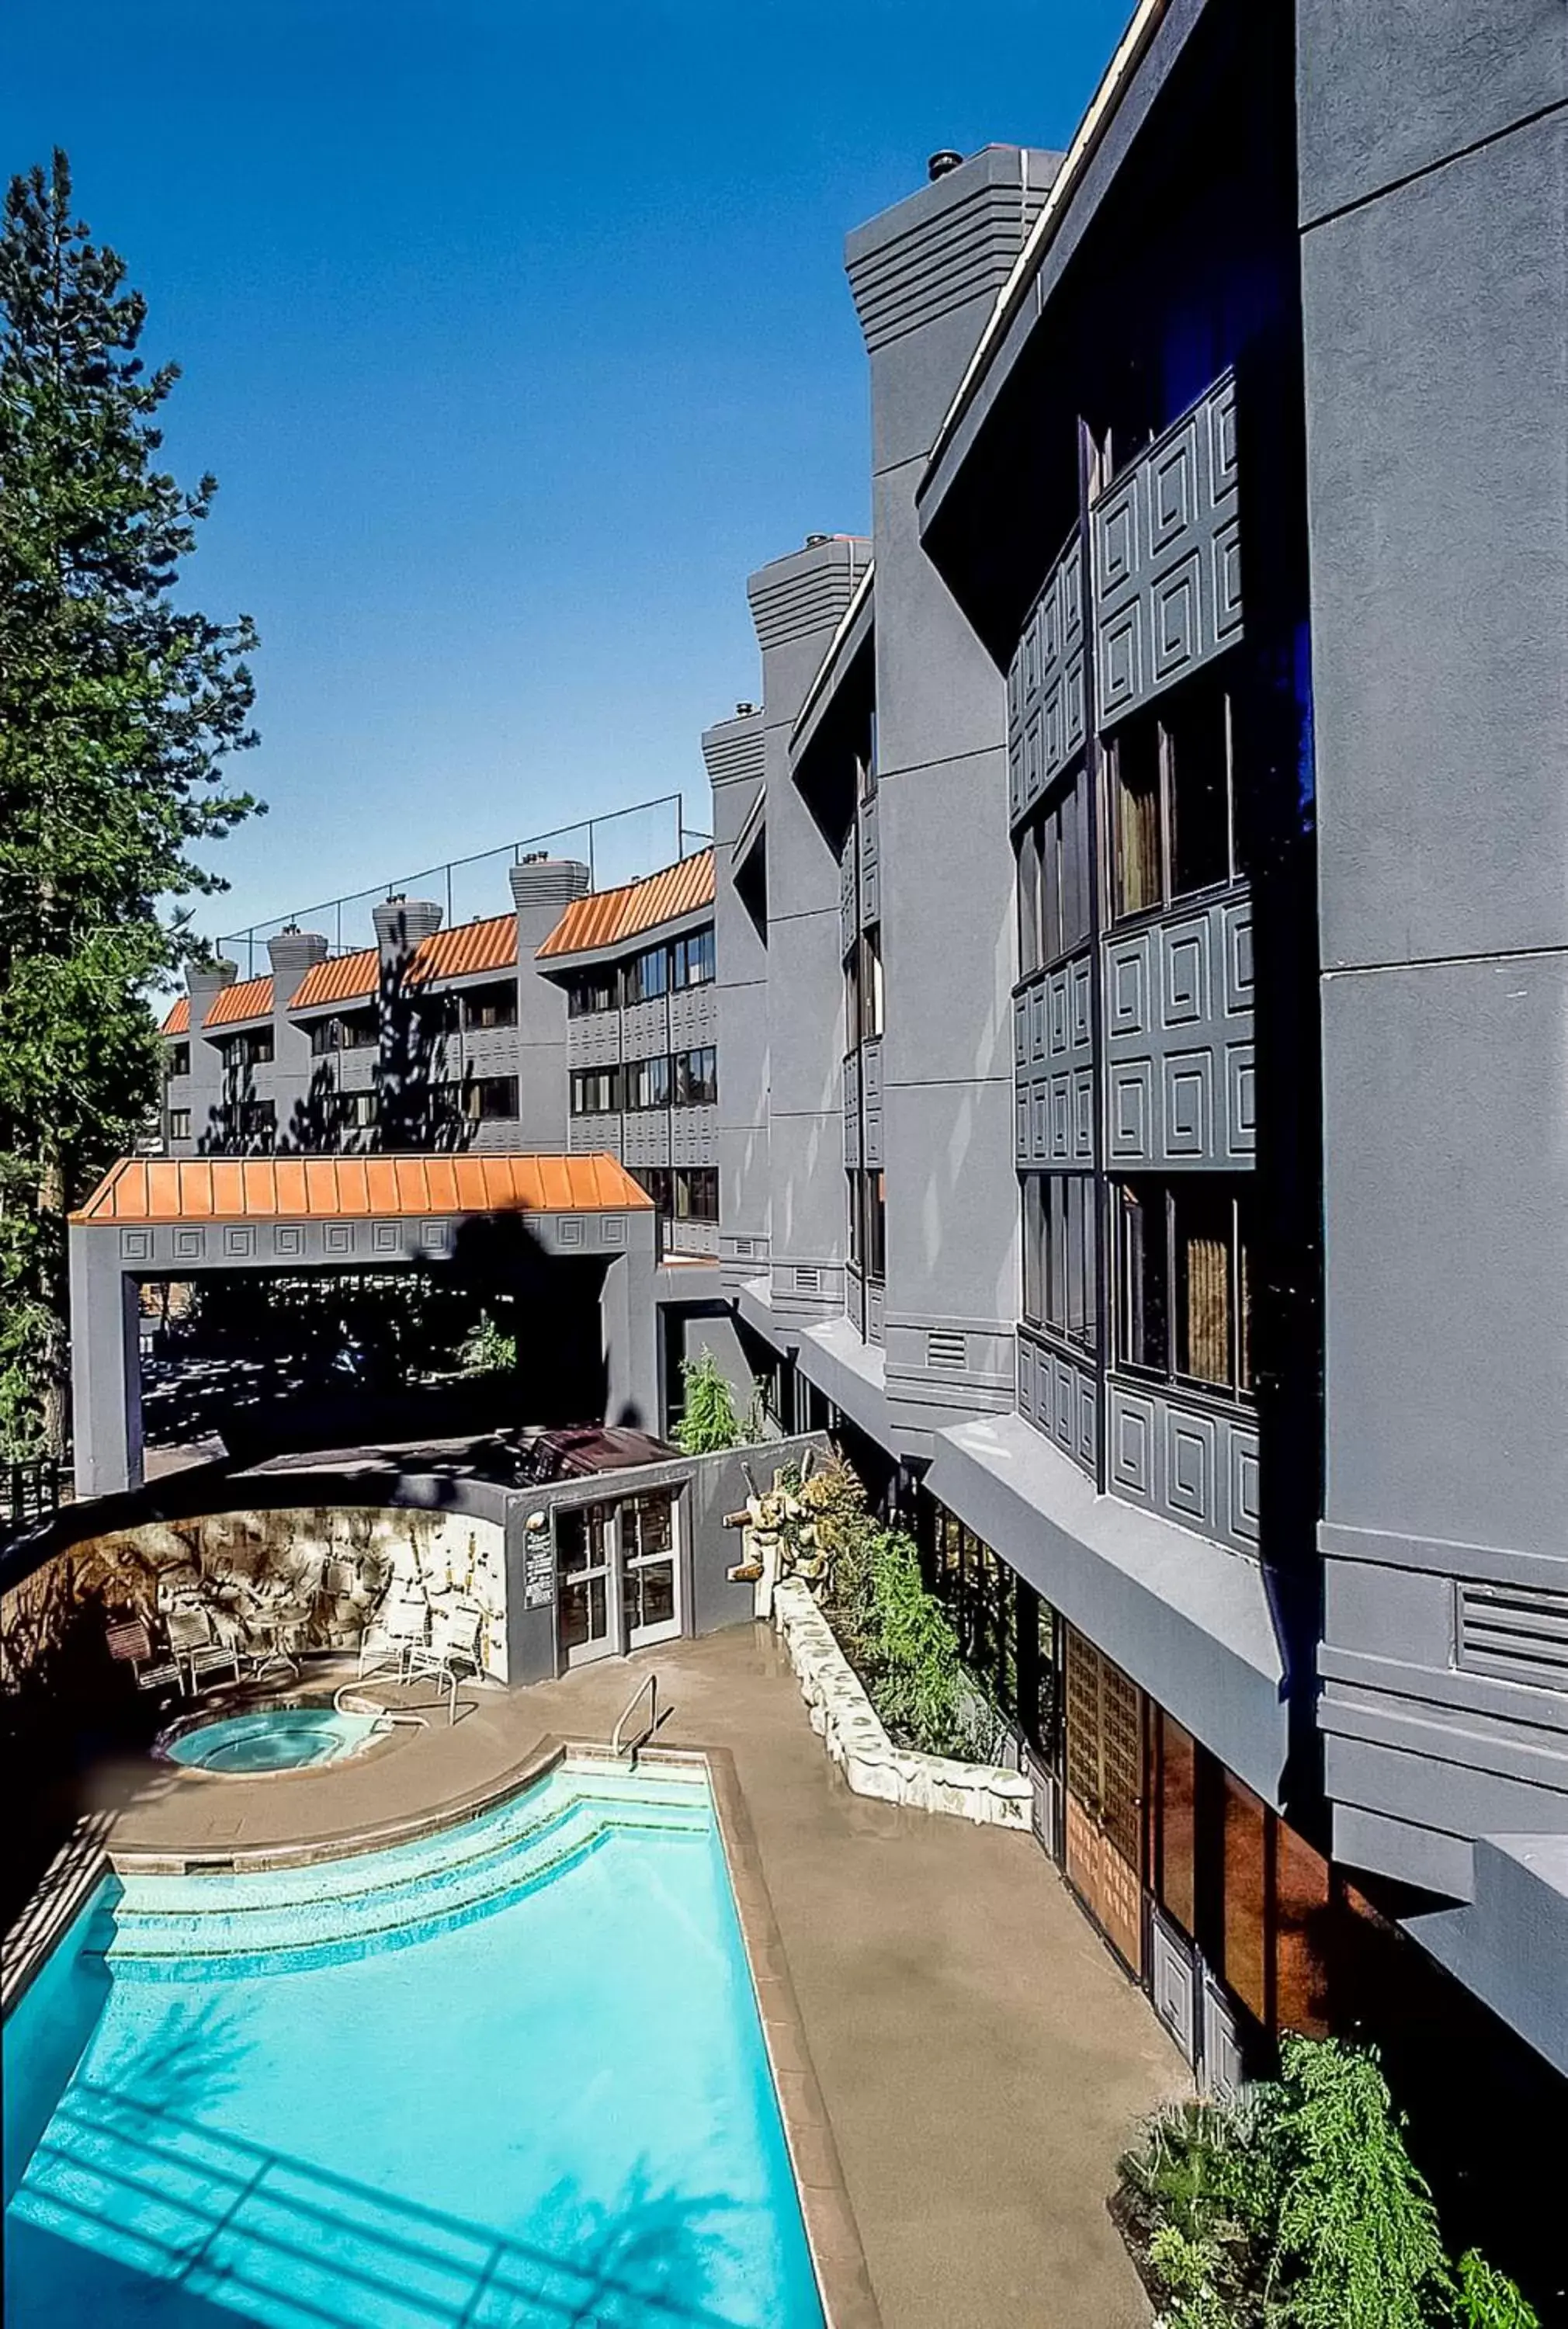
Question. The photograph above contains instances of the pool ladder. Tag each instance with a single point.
(648, 1686)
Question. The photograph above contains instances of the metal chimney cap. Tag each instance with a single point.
(815, 540)
(941, 164)
(744, 710)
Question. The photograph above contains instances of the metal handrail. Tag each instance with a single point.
(650, 1683)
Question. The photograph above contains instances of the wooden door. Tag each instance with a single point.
(1104, 1760)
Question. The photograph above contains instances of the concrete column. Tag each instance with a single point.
(542, 887)
(304, 1106)
(733, 750)
(106, 1377)
(204, 983)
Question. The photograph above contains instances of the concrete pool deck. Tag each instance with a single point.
(980, 2059)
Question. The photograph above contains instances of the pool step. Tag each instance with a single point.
(173, 1928)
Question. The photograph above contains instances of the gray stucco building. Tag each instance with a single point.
(1122, 1087)
(1136, 1000)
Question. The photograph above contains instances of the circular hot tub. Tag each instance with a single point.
(289, 1738)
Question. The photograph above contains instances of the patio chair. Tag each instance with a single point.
(190, 1637)
(130, 1642)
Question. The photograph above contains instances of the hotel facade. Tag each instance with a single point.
(1102, 1067)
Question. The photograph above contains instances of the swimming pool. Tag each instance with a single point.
(511, 2074)
(269, 1739)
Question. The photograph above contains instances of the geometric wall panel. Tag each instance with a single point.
(1131, 1113)
(1241, 1127)
(1046, 702)
(1188, 1097)
(1189, 1464)
(1243, 1450)
(135, 1245)
(238, 1241)
(287, 1242)
(1164, 538)
(338, 1237)
(189, 1245)
(386, 1237)
(1132, 1445)
(570, 1231)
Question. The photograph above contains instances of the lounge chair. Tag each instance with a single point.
(130, 1642)
(190, 1637)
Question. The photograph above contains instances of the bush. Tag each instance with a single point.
(1488, 2299)
(487, 1349)
(708, 1423)
(1298, 2207)
(1356, 2243)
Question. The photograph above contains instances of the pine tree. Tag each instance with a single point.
(115, 710)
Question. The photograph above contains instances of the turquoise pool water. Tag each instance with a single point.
(511, 2075)
(271, 1738)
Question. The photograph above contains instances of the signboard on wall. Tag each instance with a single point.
(537, 1568)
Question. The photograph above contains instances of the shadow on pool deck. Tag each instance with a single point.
(982, 2058)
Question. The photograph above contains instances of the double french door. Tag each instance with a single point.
(1104, 1812)
(618, 1575)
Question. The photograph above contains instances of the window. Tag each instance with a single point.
(359, 1030)
(596, 990)
(869, 1232)
(179, 1059)
(655, 1181)
(647, 975)
(1060, 1244)
(865, 1002)
(697, 1193)
(356, 1111)
(593, 1092)
(491, 1006)
(251, 1050)
(648, 1083)
(857, 1259)
(490, 1099)
(255, 1119)
(323, 1036)
(1185, 1290)
(692, 963)
(1055, 877)
(1172, 791)
(179, 1123)
(696, 1077)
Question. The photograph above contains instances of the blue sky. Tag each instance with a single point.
(517, 334)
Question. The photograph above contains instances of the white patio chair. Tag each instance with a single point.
(130, 1644)
(207, 1659)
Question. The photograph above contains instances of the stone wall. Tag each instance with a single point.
(304, 1581)
(851, 1732)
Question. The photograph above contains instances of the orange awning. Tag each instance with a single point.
(344, 1188)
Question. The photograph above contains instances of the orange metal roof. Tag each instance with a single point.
(464, 948)
(341, 978)
(178, 1022)
(609, 917)
(461, 952)
(247, 998)
(340, 1188)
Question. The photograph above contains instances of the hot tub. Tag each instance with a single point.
(298, 1737)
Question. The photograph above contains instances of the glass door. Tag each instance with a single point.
(649, 1589)
(586, 1610)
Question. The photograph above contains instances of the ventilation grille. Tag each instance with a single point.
(740, 1245)
(946, 1354)
(808, 1281)
(1518, 1631)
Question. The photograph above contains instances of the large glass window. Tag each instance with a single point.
(1185, 1282)
(657, 1183)
(491, 1006)
(696, 1077)
(1172, 787)
(490, 1099)
(179, 1059)
(1055, 880)
(594, 1091)
(697, 1193)
(874, 1225)
(179, 1123)
(866, 988)
(693, 959)
(648, 975)
(594, 990)
(648, 1083)
(1060, 1243)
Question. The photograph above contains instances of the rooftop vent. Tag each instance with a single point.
(815, 540)
(941, 164)
(744, 710)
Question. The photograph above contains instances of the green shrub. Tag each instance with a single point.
(487, 1350)
(1488, 2299)
(1200, 2187)
(708, 1423)
(1356, 2243)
